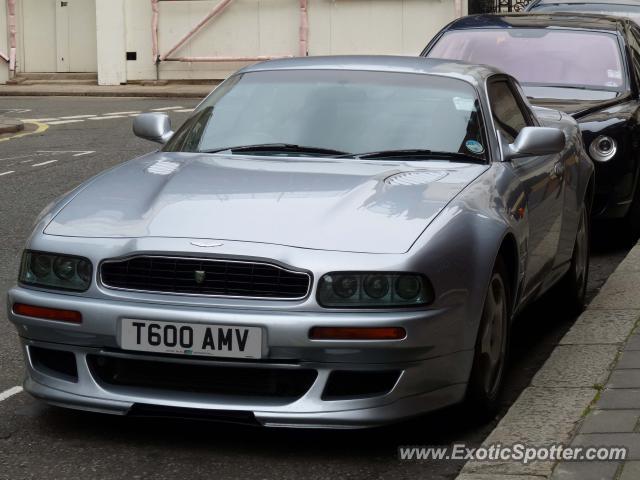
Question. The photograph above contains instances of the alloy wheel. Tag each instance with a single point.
(493, 340)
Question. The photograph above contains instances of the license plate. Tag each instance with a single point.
(191, 339)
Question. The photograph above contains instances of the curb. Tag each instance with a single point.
(154, 89)
(551, 408)
(132, 94)
(10, 125)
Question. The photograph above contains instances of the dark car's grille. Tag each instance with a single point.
(204, 277)
(281, 383)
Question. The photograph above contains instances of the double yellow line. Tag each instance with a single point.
(40, 127)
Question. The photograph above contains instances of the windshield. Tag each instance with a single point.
(535, 56)
(347, 112)
(626, 11)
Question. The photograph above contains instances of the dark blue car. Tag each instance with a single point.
(584, 64)
(617, 8)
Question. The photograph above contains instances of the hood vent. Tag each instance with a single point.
(419, 177)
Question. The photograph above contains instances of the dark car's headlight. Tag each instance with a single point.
(603, 148)
(374, 290)
(52, 270)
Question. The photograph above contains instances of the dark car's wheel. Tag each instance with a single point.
(490, 357)
(572, 289)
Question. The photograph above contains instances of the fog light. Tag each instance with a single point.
(603, 148)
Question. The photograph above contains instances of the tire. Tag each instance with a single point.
(571, 290)
(491, 349)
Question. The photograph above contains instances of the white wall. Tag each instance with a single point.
(245, 28)
(4, 43)
(270, 27)
(36, 36)
(110, 28)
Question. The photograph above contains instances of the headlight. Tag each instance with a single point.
(51, 270)
(603, 148)
(374, 290)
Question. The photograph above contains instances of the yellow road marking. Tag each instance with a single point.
(41, 127)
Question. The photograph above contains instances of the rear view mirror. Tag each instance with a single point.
(534, 141)
(155, 127)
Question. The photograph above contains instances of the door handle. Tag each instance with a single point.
(64, 4)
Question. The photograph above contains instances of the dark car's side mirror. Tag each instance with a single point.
(153, 126)
(532, 141)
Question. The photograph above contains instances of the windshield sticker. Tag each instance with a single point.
(464, 104)
(474, 146)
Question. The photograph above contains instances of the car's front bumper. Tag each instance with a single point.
(433, 367)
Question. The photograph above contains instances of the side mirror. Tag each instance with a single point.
(153, 126)
(536, 141)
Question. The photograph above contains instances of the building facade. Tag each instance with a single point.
(132, 40)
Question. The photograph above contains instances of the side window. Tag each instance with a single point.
(507, 114)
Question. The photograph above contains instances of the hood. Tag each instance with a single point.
(574, 102)
(329, 204)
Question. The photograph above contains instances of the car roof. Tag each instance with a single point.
(474, 74)
(588, 21)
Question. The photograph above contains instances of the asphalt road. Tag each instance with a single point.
(38, 441)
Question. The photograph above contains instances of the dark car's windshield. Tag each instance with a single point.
(300, 112)
(626, 11)
(541, 56)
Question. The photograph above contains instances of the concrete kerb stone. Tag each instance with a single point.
(570, 382)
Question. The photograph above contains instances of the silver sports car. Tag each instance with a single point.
(325, 242)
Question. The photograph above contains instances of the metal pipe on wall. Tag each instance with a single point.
(213, 13)
(11, 22)
(222, 59)
(304, 28)
(303, 40)
(155, 8)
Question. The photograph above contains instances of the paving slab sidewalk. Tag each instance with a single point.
(586, 394)
(170, 90)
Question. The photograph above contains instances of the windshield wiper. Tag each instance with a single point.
(278, 147)
(573, 87)
(418, 153)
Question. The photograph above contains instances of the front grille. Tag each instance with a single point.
(283, 383)
(192, 276)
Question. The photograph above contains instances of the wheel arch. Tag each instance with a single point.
(590, 193)
(509, 254)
